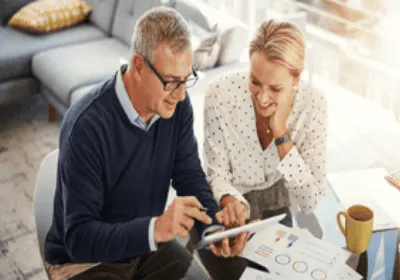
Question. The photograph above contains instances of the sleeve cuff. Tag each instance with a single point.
(211, 229)
(152, 242)
(294, 169)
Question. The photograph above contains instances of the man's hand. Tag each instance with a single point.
(233, 213)
(179, 219)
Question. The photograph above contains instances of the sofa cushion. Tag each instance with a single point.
(62, 70)
(102, 13)
(234, 33)
(126, 15)
(45, 16)
(9, 7)
(81, 92)
(191, 11)
(17, 48)
(205, 45)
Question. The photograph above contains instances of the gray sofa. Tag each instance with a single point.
(17, 48)
(66, 64)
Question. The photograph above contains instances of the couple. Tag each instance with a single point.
(122, 144)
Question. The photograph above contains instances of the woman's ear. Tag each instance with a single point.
(296, 81)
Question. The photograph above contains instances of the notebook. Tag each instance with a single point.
(370, 188)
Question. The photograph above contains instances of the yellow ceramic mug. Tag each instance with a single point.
(359, 221)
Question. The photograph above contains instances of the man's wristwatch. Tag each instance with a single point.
(283, 139)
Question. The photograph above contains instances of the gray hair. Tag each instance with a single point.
(157, 25)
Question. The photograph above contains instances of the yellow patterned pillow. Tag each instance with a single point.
(44, 16)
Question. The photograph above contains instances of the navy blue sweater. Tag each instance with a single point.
(114, 177)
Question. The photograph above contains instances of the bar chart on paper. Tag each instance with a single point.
(264, 251)
(292, 253)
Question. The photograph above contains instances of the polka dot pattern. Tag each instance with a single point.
(235, 162)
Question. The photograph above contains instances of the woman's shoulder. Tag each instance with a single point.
(311, 96)
(228, 86)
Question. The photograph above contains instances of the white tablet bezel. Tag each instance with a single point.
(251, 228)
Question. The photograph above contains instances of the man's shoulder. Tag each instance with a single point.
(88, 112)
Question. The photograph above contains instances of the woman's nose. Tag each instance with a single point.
(263, 96)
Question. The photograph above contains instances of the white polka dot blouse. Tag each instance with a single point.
(235, 162)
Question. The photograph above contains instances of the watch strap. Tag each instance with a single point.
(283, 139)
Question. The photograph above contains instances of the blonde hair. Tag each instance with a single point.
(282, 42)
(157, 25)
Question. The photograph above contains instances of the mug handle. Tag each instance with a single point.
(339, 221)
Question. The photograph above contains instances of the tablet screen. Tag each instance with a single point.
(234, 232)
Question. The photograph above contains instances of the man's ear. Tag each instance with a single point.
(138, 64)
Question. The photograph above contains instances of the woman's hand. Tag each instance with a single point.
(233, 214)
(277, 121)
(231, 247)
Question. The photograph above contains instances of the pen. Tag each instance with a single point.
(203, 209)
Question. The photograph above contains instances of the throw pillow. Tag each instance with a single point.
(206, 46)
(44, 16)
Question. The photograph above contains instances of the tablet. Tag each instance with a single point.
(231, 233)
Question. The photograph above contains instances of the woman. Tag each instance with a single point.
(265, 135)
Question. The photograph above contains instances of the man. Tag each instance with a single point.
(120, 146)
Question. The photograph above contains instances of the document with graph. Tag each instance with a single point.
(293, 253)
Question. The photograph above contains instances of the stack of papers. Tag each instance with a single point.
(293, 253)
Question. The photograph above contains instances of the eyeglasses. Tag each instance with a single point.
(173, 85)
